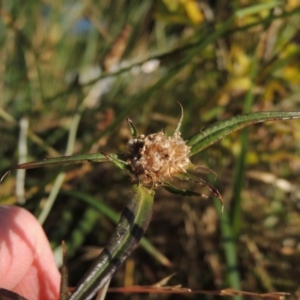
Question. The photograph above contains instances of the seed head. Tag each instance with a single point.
(157, 157)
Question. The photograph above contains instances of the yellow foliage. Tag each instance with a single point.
(193, 12)
(292, 4)
(271, 88)
(291, 74)
(179, 11)
(238, 84)
(238, 62)
(252, 158)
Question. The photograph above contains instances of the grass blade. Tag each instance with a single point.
(240, 164)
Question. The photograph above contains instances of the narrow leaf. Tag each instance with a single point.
(258, 8)
(114, 217)
(132, 226)
(123, 165)
(217, 131)
(63, 160)
(132, 128)
(202, 182)
(181, 192)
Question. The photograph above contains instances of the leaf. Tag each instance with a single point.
(132, 128)
(258, 8)
(123, 165)
(193, 12)
(181, 192)
(201, 182)
(60, 161)
(134, 221)
(114, 217)
(63, 160)
(217, 131)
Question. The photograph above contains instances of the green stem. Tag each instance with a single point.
(239, 174)
(134, 221)
(229, 243)
(114, 217)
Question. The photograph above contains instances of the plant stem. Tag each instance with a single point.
(134, 221)
(240, 166)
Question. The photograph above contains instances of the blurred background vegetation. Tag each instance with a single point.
(72, 71)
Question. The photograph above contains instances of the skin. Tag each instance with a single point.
(27, 265)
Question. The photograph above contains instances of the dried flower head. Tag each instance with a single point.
(157, 157)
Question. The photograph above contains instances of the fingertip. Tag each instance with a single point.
(26, 259)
